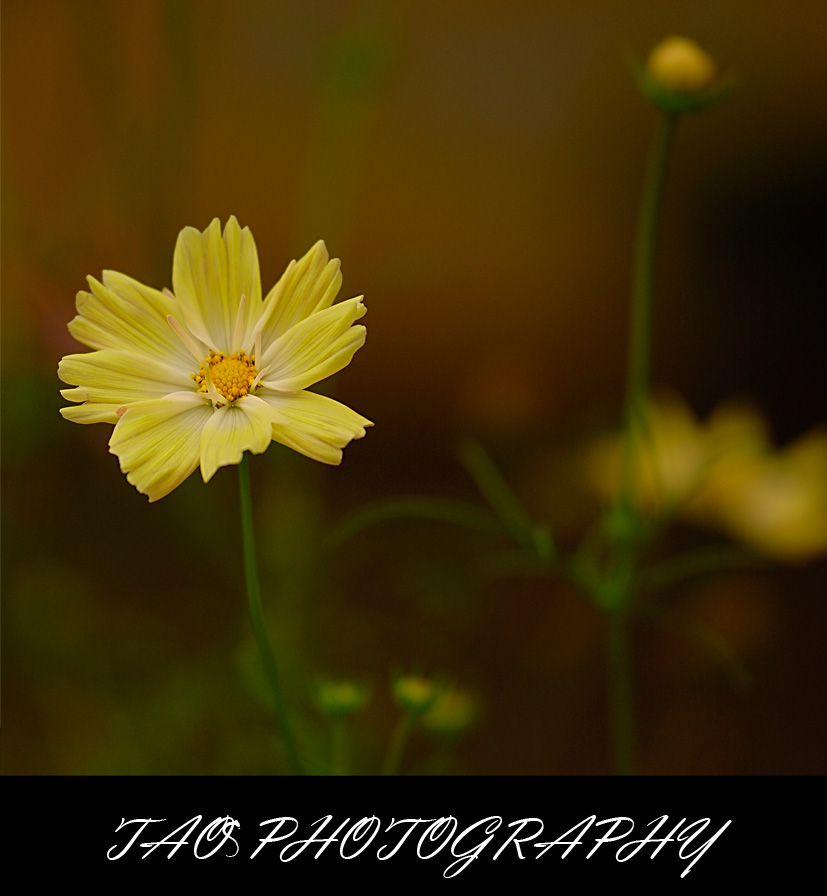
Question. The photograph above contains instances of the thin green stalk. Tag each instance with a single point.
(339, 753)
(620, 678)
(398, 743)
(627, 531)
(643, 276)
(414, 507)
(257, 616)
(504, 502)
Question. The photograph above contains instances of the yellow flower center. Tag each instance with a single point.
(232, 375)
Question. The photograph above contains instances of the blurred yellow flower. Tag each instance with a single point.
(724, 474)
(674, 454)
(200, 376)
(776, 502)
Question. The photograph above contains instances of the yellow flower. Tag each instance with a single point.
(776, 502)
(674, 454)
(724, 474)
(200, 376)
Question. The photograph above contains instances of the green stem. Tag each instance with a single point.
(620, 678)
(504, 502)
(627, 531)
(338, 746)
(398, 743)
(640, 319)
(257, 616)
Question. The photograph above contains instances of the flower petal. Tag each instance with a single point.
(210, 273)
(316, 348)
(158, 443)
(245, 425)
(123, 313)
(307, 286)
(114, 376)
(91, 412)
(317, 426)
(776, 502)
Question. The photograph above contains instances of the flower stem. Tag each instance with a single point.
(643, 276)
(620, 680)
(626, 530)
(257, 616)
(338, 746)
(399, 741)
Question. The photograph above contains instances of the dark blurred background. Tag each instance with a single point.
(476, 165)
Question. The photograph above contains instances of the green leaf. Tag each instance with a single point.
(692, 564)
(504, 502)
(441, 509)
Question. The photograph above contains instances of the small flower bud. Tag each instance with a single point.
(679, 77)
(453, 711)
(340, 698)
(415, 693)
(681, 65)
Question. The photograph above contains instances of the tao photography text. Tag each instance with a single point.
(286, 839)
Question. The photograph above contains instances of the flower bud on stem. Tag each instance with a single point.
(677, 79)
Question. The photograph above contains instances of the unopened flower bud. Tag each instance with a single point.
(340, 698)
(453, 711)
(681, 65)
(680, 77)
(415, 693)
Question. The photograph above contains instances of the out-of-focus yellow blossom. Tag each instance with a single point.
(679, 64)
(454, 710)
(724, 474)
(776, 502)
(673, 453)
(200, 376)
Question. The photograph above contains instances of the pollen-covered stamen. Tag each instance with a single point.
(226, 378)
(208, 386)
